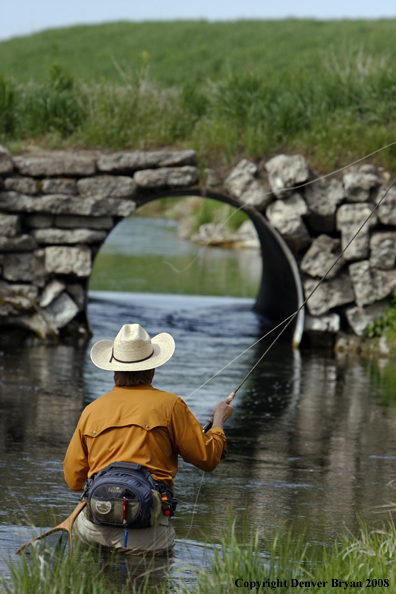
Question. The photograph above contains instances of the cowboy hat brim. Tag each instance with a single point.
(163, 349)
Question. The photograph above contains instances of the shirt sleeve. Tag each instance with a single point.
(75, 464)
(203, 450)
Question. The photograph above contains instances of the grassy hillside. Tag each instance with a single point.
(182, 52)
(327, 90)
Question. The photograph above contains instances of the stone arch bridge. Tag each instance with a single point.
(58, 207)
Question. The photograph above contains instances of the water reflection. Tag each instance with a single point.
(145, 255)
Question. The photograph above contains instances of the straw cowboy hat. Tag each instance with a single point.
(133, 350)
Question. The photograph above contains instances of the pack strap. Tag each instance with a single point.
(127, 466)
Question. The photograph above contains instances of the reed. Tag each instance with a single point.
(47, 570)
(240, 558)
(261, 565)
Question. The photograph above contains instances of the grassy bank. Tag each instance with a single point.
(193, 212)
(331, 118)
(240, 563)
(327, 90)
(186, 52)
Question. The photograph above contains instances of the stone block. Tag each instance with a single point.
(36, 323)
(22, 243)
(79, 295)
(214, 235)
(248, 236)
(71, 222)
(6, 164)
(56, 164)
(322, 199)
(211, 177)
(369, 284)
(28, 291)
(321, 256)
(360, 317)
(328, 323)
(10, 225)
(39, 221)
(15, 299)
(69, 205)
(286, 172)
(23, 185)
(242, 184)
(66, 236)
(284, 216)
(61, 311)
(51, 292)
(383, 250)
(107, 186)
(127, 162)
(12, 302)
(241, 177)
(360, 246)
(59, 186)
(368, 168)
(295, 233)
(387, 208)
(329, 294)
(255, 195)
(350, 217)
(68, 260)
(167, 177)
(358, 184)
(26, 267)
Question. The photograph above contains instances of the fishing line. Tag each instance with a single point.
(287, 322)
(316, 287)
(195, 505)
(240, 355)
(244, 204)
(203, 248)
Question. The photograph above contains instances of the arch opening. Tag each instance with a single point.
(280, 292)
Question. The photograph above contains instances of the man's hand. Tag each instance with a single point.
(222, 411)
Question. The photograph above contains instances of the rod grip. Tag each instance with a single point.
(208, 426)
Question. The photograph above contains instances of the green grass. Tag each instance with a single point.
(87, 571)
(239, 558)
(327, 90)
(289, 557)
(183, 52)
(385, 324)
(200, 211)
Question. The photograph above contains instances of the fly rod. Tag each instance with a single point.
(291, 318)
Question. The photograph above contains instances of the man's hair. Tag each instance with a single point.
(126, 379)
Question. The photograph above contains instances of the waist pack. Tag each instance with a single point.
(125, 494)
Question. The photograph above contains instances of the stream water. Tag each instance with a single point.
(312, 439)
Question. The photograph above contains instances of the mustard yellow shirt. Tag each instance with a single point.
(142, 425)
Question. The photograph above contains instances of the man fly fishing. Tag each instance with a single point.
(124, 451)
